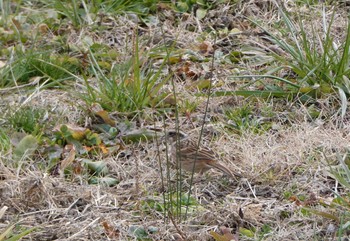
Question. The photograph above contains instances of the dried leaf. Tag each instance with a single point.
(2, 211)
(218, 237)
(296, 200)
(97, 110)
(76, 132)
(110, 231)
(163, 6)
(17, 24)
(103, 148)
(105, 116)
(312, 200)
(43, 28)
(66, 162)
(189, 70)
(226, 236)
(227, 233)
(77, 168)
(206, 48)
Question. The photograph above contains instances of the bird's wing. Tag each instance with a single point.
(189, 150)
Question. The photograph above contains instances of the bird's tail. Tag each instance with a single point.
(225, 170)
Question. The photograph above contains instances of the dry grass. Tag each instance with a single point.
(290, 159)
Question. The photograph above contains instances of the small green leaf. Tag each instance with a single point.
(200, 13)
(322, 214)
(153, 229)
(97, 168)
(105, 181)
(6, 232)
(344, 102)
(139, 232)
(93, 139)
(246, 232)
(182, 7)
(21, 235)
(25, 147)
(139, 135)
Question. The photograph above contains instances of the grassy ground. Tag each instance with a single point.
(82, 83)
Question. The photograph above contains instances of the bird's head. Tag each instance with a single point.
(174, 135)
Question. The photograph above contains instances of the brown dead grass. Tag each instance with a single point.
(289, 159)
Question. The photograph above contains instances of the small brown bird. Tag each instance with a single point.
(191, 158)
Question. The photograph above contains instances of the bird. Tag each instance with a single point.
(191, 157)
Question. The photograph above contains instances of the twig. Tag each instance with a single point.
(183, 236)
(83, 229)
(36, 81)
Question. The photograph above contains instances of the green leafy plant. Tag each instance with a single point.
(5, 11)
(342, 202)
(5, 143)
(8, 233)
(311, 2)
(244, 118)
(142, 7)
(200, 6)
(173, 204)
(320, 64)
(79, 13)
(188, 106)
(72, 11)
(131, 86)
(27, 119)
(27, 65)
(338, 209)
